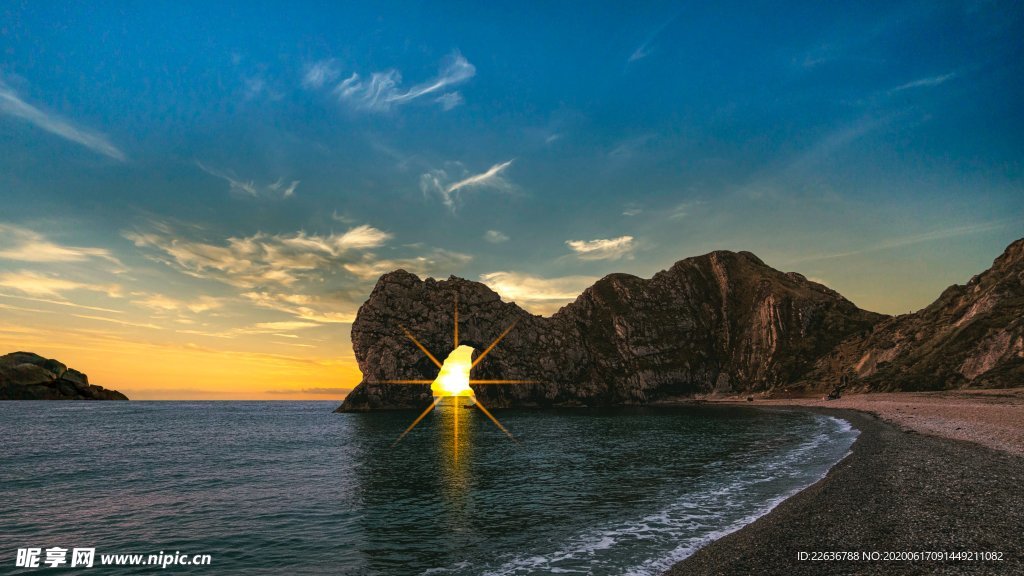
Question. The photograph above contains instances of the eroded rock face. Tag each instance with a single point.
(28, 376)
(973, 335)
(724, 321)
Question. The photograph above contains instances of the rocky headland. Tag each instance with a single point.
(28, 376)
(721, 323)
(972, 336)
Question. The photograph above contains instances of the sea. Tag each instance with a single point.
(293, 488)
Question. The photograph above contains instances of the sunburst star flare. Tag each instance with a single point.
(453, 379)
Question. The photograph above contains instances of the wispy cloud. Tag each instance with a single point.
(858, 46)
(434, 261)
(286, 190)
(899, 242)
(285, 325)
(314, 278)
(342, 217)
(118, 321)
(61, 303)
(37, 284)
(449, 100)
(23, 309)
(178, 393)
(286, 273)
(534, 293)
(325, 309)
(800, 171)
(833, 141)
(13, 105)
(22, 244)
(164, 303)
(261, 259)
(255, 86)
(248, 188)
(602, 248)
(438, 182)
(317, 391)
(495, 237)
(925, 82)
(628, 148)
(320, 73)
(641, 52)
(488, 178)
(382, 91)
(683, 209)
(644, 49)
(826, 53)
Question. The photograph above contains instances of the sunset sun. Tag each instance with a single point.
(453, 378)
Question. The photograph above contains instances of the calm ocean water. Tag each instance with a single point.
(291, 488)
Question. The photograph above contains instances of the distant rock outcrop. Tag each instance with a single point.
(723, 322)
(28, 376)
(973, 335)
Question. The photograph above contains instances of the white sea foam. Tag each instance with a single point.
(701, 517)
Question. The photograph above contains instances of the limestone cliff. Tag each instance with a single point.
(28, 376)
(724, 322)
(973, 335)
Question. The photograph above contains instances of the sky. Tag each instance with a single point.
(196, 197)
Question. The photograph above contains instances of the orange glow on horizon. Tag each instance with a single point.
(170, 371)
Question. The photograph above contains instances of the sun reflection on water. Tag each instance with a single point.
(454, 425)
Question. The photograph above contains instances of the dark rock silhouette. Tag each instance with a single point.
(29, 376)
(722, 322)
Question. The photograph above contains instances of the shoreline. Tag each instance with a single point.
(898, 491)
(990, 417)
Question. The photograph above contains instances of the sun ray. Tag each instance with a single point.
(495, 420)
(493, 344)
(446, 392)
(417, 420)
(420, 346)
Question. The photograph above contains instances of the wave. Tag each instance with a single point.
(715, 508)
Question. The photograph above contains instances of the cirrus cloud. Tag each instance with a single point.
(261, 259)
(25, 245)
(319, 73)
(603, 248)
(162, 303)
(382, 91)
(51, 285)
(323, 391)
(13, 105)
(534, 293)
(440, 182)
(434, 262)
(925, 82)
(495, 236)
(248, 188)
(314, 278)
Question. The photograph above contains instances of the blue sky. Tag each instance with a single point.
(232, 179)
